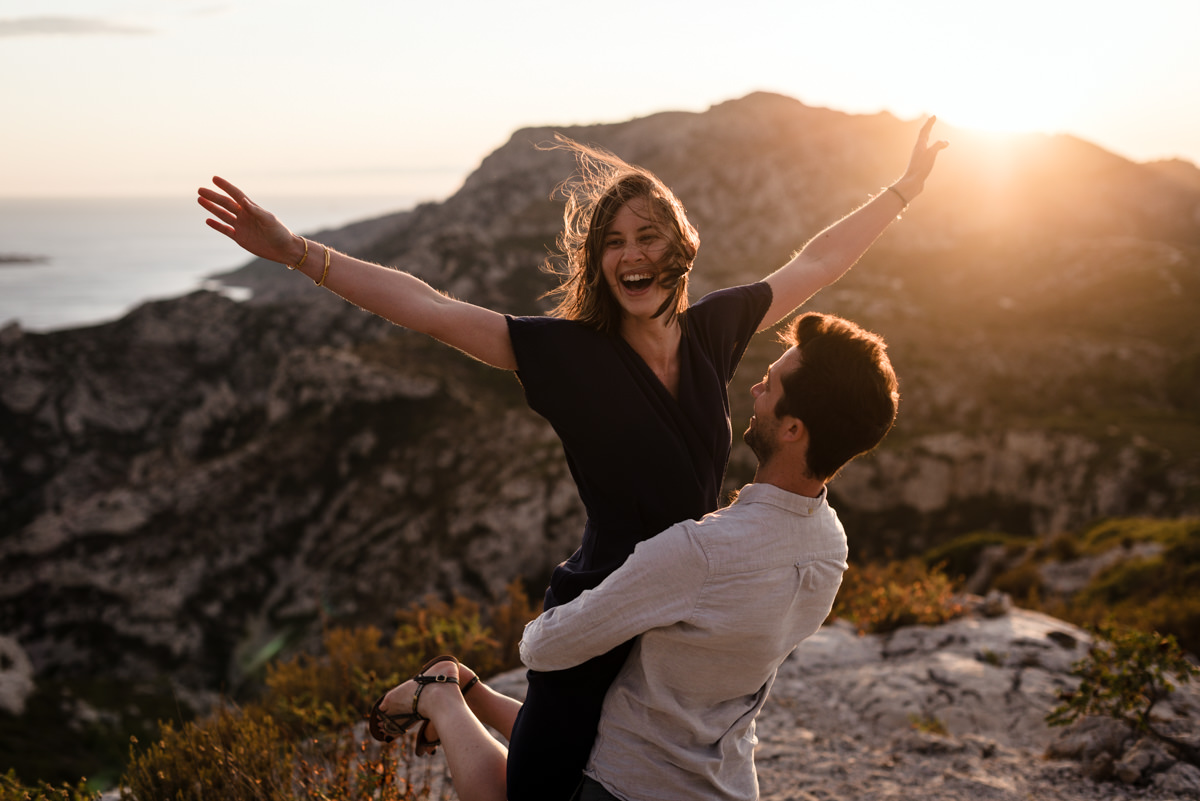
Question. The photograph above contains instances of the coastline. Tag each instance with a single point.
(74, 262)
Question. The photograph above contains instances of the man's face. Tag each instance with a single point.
(762, 435)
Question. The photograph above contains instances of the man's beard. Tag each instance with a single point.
(763, 446)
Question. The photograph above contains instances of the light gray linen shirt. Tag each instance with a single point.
(719, 604)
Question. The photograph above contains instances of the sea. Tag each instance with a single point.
(67, 263)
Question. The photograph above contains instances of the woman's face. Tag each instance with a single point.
(632, 250)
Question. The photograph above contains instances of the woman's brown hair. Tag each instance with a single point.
(602, 185)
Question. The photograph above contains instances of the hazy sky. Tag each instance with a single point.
(120, 97)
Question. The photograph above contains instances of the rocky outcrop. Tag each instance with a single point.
(228, 475)
(950, 713)
(186, 488)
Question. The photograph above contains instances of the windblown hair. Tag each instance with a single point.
(844, 391)
(602, 185)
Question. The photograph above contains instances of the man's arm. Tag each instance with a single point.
(657, 586)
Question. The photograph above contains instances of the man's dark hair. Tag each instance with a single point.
(844, 391)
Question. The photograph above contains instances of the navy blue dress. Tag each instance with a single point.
(642, 460)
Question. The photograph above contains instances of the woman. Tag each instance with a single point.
(633, 380)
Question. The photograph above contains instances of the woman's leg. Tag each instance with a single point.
(477, 760)
(556, 727)
(492, 708)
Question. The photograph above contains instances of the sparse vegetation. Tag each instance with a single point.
(1154, 566)
(928, 724)
(299, 740)
(1126, 673)
(11, 789)
(882, 598)
(961, 556)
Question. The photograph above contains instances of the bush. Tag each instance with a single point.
(11, 789)
(299, 740)
(1126, 673)
(1023, 583)
(883, 598)
(234, 755)
(959, 557)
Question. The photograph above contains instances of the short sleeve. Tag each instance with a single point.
(723, 322)
(553, 360)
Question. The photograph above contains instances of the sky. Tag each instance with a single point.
(102, 98)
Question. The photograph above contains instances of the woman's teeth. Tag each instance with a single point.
(637, 281)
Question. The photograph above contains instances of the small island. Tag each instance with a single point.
(22, 258)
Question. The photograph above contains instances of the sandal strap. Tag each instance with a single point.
(467, 687)
(422, 681)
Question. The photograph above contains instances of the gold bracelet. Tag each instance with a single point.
(300, 263)
(897, 191)
(325, 272)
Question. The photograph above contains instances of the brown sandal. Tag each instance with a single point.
(385, 726)
(425, 747)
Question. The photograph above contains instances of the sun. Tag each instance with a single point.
(1001, 102)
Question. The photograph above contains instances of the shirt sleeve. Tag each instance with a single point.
(724, 321)
(658, 585)
(553, 355)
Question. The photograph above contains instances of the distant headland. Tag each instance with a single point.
(22, 258)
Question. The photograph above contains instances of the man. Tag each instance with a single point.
(716, 605)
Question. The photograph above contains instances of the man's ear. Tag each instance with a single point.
(792, 429)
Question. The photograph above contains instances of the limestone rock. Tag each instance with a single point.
(203, 476)
(16, 676)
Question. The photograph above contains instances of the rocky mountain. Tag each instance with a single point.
(202, 483)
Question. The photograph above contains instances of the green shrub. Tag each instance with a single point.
(1126, 673)
(1126, 531)
(960, 556)
(1154, 593)
(928, 724)
(883, 598)
(1023, 582)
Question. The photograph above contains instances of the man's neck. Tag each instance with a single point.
(793, 481)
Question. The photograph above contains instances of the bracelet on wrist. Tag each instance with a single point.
(896, 191)
(325, 272)
(300, 263)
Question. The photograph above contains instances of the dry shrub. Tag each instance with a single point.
(882, 598)
(234, 755)
(300, 740)
(11, 789)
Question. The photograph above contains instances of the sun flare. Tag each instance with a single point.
(1001, 107)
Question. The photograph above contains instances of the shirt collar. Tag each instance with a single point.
(789, 501)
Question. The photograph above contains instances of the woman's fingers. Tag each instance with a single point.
(238, 195)
(215, 207)
(923, 136)
(219, 203)
(220, 227)
(924, 154)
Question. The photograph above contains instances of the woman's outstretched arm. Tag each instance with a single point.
(394, 295)
(829, 254)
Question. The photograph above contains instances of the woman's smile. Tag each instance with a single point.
(633, 245)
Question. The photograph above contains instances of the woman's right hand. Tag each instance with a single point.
(249, 225)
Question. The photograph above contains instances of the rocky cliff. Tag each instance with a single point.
(203, 482)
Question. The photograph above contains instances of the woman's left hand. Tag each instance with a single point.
(251, 226)
(921, 163)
